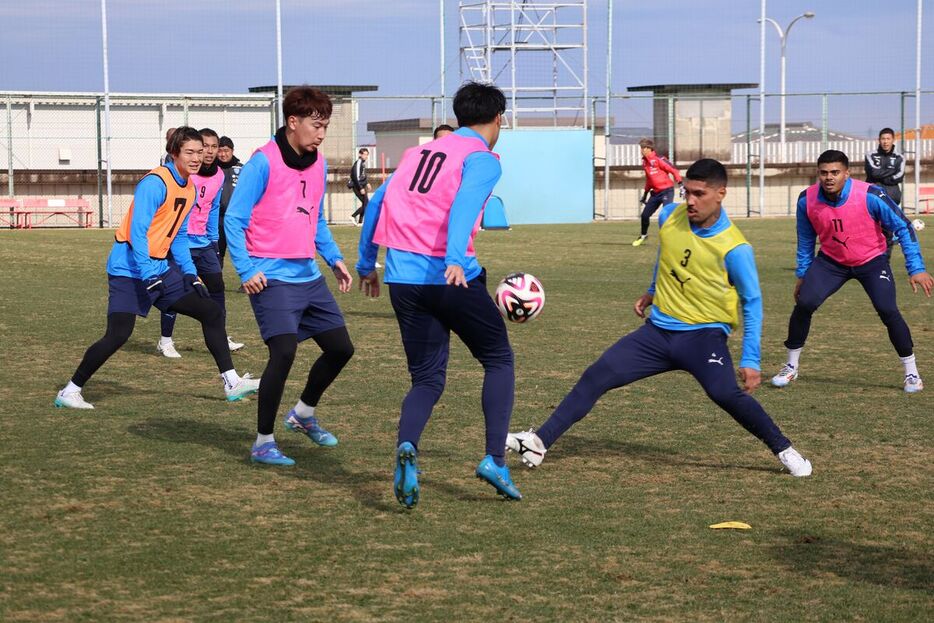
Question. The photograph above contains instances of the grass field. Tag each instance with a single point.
(148, 508)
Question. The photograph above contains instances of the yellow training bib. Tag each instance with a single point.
(692, 283)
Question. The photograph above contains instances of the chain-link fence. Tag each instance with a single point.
(55, 145)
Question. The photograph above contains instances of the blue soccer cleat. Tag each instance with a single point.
(499, 477)
(309, 426)
(405, 479)
(269, 454)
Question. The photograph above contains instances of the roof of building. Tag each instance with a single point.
(800, 131)
(337, 90)
(717, 87)
(425, 123)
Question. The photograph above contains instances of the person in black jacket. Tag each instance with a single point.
(231, 165)
(885, 167)
(359, 185)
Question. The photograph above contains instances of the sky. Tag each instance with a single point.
(227, 46)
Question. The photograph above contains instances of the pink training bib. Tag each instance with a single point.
(206, 189)
(284, 222)
(416, 207)
(847, 233)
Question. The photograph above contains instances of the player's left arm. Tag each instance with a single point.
(213, 229)
(181, 252)
(367, 250)
(480, 173)
(890, 216)
(327, 246)
(741, 268)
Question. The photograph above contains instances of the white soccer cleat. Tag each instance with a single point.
(528, 446)
(168, 350)
(913, 384)
(72, 400)
(233, 346)
(796, 464)
(786, 375)
(247, 385)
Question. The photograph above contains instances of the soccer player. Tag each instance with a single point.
(427, 215)
(203, 235)
(141, 274)
(848, 217)
(441, 131)
(705, 268)
(657, 182)
(275, 225)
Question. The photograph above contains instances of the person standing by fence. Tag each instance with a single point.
(657, 184)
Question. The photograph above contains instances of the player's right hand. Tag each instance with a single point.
(798, 289)
(255, 284)
(369, 285)
(642, 304)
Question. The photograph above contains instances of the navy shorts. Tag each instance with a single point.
(206, 260)
(307, 309)
(129, 295)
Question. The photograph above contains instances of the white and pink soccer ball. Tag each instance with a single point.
(917, 224)
(520, 297)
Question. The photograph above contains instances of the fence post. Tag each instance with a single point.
(671, 129)
(9, 147)
(748, 156)
(824, 120)
(185, 109)
(100, 172)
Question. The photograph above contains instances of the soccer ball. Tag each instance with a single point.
(520, 297)
(918, 224)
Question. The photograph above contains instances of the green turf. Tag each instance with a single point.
(148, 508)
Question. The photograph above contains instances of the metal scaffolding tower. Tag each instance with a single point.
(536, 52)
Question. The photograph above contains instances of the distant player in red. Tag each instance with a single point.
(657, 169)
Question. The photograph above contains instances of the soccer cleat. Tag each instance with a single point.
(72, 400)
(378, 265)
(168, 350)
(499, 477)
(913, 384)
(269, 454)
(786, 375)
(310, 427)
(638, 241)
(796, 464)
(233, 346)
(528, 446)
(405, 479)
(247, 385)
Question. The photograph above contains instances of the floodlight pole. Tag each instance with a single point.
(279, 62)
(783, 37)
(606, 117)
(444, 109)
(918, 110)
(761, 108)
(107, 113)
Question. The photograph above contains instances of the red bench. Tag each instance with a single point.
(12, 214)
(37, 211)
(926, 198)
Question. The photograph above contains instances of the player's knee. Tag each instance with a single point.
(889, 313)
(282, 354)
(498, 359)
(430, 382)
(807, 305)
(341, 354)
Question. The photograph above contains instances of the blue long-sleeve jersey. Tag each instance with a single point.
(211, 230)
(480, 173)
(132, 260)
(740, 265)
(250, 188)
(880, 207)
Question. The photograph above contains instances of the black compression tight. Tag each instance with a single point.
(214, 282)
(120, 327)
(337, 350)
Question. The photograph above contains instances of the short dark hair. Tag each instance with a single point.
(225, 141)
(886, 131)
(306, 101)
(476, 103)
(181, 136)
(209, 132)
(441, 128)
(363, 149)
(646, 142)
(708, 170)
(833, 155)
